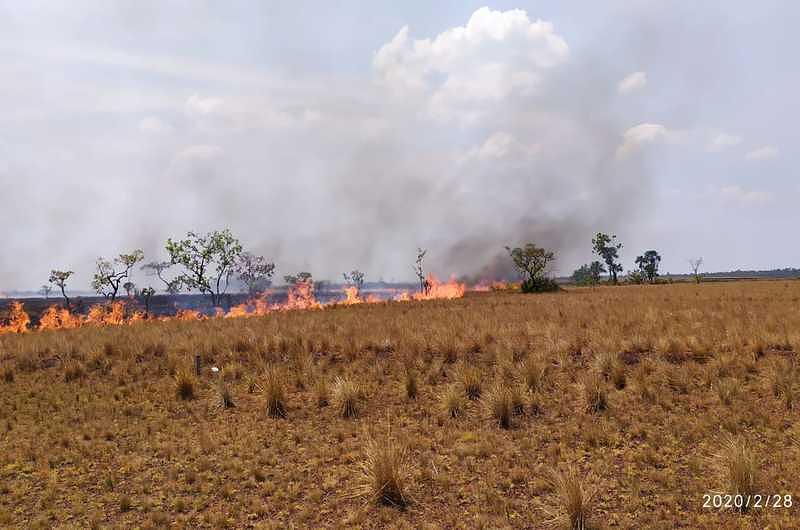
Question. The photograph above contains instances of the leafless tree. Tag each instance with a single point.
(695, 264)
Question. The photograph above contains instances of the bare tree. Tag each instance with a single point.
(355, 279)
(129, 287)
(110, 274)
(695, 264)
(59, 279)
(146, 294)
(424, 284)
(255, 272)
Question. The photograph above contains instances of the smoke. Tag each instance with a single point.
(494, 133)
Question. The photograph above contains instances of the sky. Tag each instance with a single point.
(331, 136)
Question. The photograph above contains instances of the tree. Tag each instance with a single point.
(424, 284)
(588, 274)
(255, 272)
(110, 274)
(355, 279)
(607, 248)
(648, 265)
(157, 268)
(59, 279)
(129, 287)
(695, 264)
(45, 291)
(531, 263)
(208, 261)
(300, 277)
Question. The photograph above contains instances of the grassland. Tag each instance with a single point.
(621, 405)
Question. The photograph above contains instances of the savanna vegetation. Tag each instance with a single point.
(595, 407)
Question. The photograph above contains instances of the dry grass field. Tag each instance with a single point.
(608, 408)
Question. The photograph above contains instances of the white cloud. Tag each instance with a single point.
(762, 153)
(632, 83)
(200, 152)
(740, 195)
(494, 55)
(153, 125)
(635, 137)
(199, 106)
(723, 141)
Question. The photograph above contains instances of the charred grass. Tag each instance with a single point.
(643, 399)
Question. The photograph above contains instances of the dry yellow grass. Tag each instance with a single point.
(95, 432)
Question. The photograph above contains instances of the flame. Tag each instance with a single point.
(18, 319)
(56, 317)
(352, 296)
(437, 289)
(301, 296)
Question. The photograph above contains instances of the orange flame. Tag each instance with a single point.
(18, 319)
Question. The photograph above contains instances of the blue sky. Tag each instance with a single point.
(333, 136)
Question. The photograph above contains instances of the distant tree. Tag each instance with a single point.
(588, 274)
(635, 277)
(695, 264)
(45, 291)
(208, 261)
(355, 278)
(648, 265)
(532, 264)
(146, 294)
(59, 279)
(300, 277)
(110, 274)
(320, 286)
(424, 284)
(607, 248)
(157, 268)
(255, 272)
(129, 287)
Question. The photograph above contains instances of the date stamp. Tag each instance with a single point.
(721, 501)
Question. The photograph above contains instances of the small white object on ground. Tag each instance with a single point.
(214, 369)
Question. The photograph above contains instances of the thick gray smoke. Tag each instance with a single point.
(494, 133)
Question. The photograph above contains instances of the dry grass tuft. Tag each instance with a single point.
(575, 502)
(8, 374)
(728, 390)
(470, 377)
(739, 467)
(385, 471)
(224, 394)
(595, 395)
(453, 401)
(185, 385)
(275, 393)
(499, 404)
(410, 383)
(783, 380)
(346, 397)
(321, 391)
(73, 370)
(534, 373)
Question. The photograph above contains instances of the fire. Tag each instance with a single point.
(18, 319)
(437, 289)
(352, 296)
(58, 318)
(301, 296)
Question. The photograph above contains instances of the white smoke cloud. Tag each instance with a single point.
(632, 83)
(766, 152)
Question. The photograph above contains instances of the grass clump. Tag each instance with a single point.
(385, 471)
(185, 385)
(346, 397)
(470, 377)
(453, 401)
(410, 383)
(534, 373)
(499, 403)
(321, 391)
(739, 467)
(574, 501)
(225, 395)
(595, 395)
(73, 370)
(275, 394)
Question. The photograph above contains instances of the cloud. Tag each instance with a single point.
(154, 125)
(493, 56)
(632, 83)
(503, 145)
(639, 135)
(763, 153)
(723, 141)
(737, 194)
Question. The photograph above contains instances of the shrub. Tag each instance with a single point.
(275, 394)
(346, 397)
(73, 370)
(385, 471)
(539, 285)
(225, 396)
(185, 385)
(410, 383)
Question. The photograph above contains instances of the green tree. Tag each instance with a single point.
(607, 248)
(59, 279)
(255, 272)
(110, 274)
(208, 261)
(588, 274)
(532, 263)
(648, 265)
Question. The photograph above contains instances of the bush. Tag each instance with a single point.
(540, 285)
